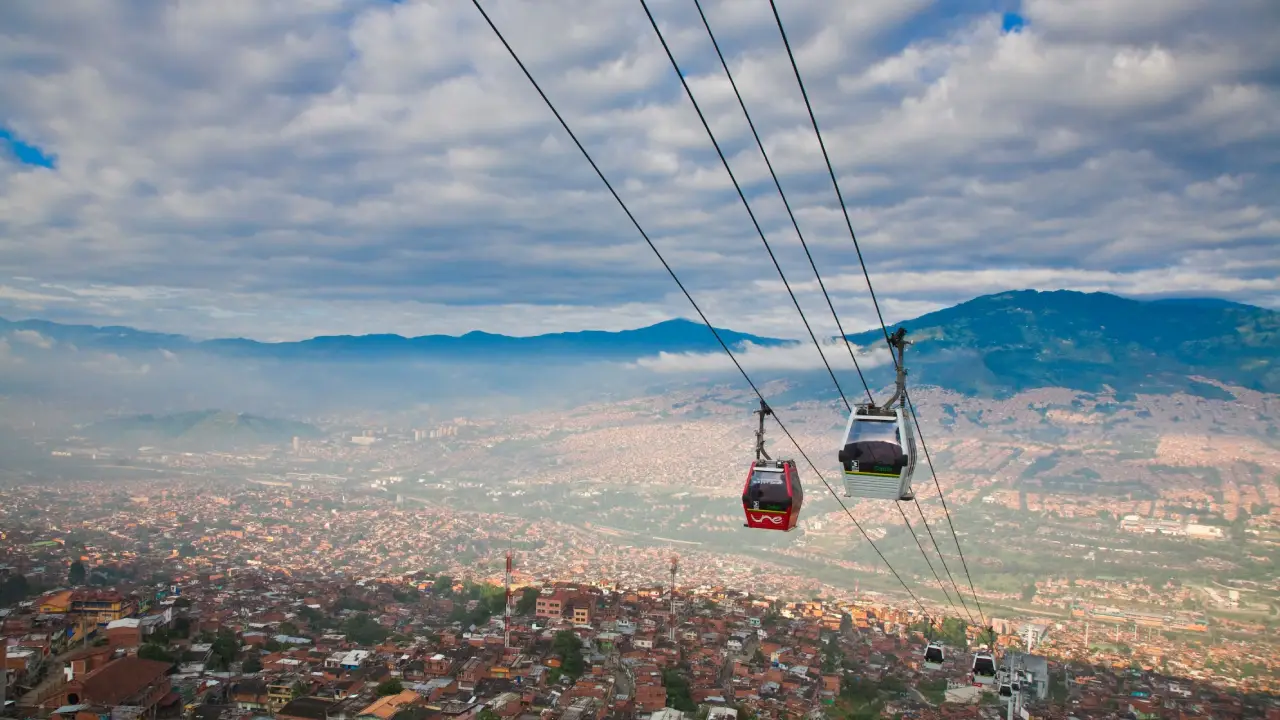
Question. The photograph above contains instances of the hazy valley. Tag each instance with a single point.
(1049, 485)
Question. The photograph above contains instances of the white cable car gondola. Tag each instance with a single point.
(984, 668)
(934, 656)
(878, 450)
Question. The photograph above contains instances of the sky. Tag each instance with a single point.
(288, 168)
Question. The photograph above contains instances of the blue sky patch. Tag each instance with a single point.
(26, 153)
(1012, 22)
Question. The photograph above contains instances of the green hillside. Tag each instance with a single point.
(1013, 341)
(201, 429)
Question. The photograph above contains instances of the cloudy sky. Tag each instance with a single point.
(280, 169)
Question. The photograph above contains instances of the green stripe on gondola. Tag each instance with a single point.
(858, 472)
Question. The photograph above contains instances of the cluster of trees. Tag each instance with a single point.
(569, 648)
(490, 600)
(78, 574)
(406, 595)
(314, 618)
(390, 686)
(528, 601)
(678, 695)
(225, 649)
(347, 602)
(865, 699)
(442, 586)
(155, 651)
(832, 657)
(364, 630)
(951, 632)
(14, 589)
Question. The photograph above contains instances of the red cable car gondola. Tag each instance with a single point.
(772, 496)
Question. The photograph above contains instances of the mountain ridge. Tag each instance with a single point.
(995, 344)
(1021, 339)
(675, 335)
(205, 429)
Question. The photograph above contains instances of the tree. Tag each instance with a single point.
(346, 602)
(151, 651)
(569, 648)
(313, 617)
(442, 586)
(1028, 592)
(225, 648)
(678, 695)
(832, 658)
(846, 623)
(363, 630)
(406, 595)
(391, 686)
(288, 628)
(14, 590)
(77, 573)
(528, 601)
(252, 665)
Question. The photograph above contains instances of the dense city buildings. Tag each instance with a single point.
(248, 642)
(234, 602)
(360, 574)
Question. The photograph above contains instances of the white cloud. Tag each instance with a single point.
(33, 338)
(7, 356)
(798, 356)
(284, 169)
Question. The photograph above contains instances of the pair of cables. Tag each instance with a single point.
(781, 274)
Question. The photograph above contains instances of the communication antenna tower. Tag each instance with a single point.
(506, 615)
(675, 565)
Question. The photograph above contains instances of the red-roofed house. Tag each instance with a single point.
(127, 681)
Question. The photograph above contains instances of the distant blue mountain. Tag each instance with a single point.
(675, 336)
(997, 344)
(991, 345)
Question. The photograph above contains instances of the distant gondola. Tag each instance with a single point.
(772, 496)
(1005, 686)
(934, 656)
(984, 668)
